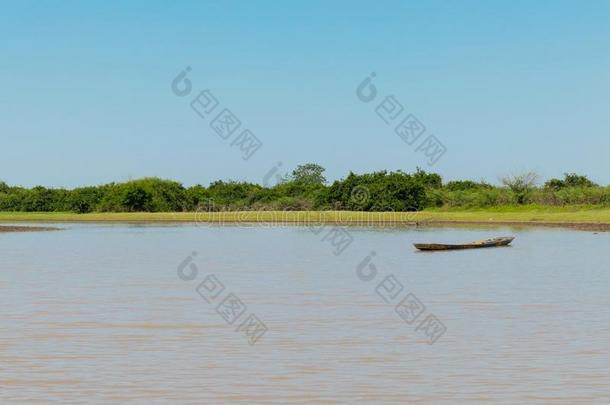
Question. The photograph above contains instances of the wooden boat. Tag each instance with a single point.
(494, 242)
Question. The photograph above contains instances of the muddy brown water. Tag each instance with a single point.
(127, 313)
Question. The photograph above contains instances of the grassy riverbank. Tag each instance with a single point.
(534, 215)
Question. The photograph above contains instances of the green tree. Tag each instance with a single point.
(575, 180)
(428, 180)
(42, 199)
(569, 180)
(554, 184)
(379, 191)
(232, 194)
(309, 173)
(136, 198)
(196, 197)
(84, 200)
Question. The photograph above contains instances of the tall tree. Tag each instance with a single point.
(309, 173)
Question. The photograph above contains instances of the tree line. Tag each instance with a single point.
(306, 188)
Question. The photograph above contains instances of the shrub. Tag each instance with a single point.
(136, 198)
(379, 191)
(521, 185)
(461, 185)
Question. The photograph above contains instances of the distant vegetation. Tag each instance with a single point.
(306, 189)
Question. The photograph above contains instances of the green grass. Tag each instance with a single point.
(530, 213)
(520, 214)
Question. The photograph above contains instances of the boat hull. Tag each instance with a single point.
(495, 242)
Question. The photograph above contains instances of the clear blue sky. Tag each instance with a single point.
(507, 86)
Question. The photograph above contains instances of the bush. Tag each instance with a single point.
(379, 191)
(570, 180)
(521, 185)
(305, 190)
(292, 204)
(84, 200)
(462, 185)
(428, 180)
(136, 198)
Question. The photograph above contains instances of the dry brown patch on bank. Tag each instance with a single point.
(581, 226)
(26, 229)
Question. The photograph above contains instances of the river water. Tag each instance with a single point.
(255, 314)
